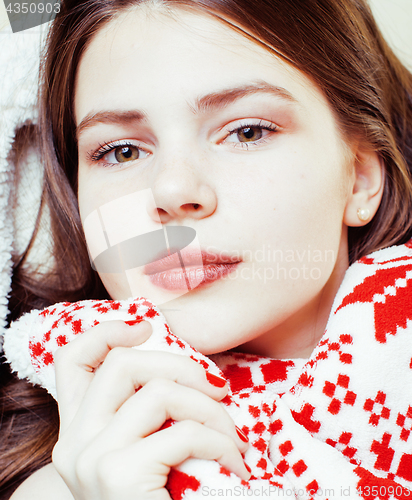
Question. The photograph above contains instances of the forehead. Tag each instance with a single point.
(177, 55)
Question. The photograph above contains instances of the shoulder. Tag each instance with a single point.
(44, 484)
(377, 277)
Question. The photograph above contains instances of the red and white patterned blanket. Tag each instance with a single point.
(338, 425)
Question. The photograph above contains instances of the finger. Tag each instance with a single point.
(125, 370)
(197, 441)
(143, 467)
(156, 403)
(76, 362)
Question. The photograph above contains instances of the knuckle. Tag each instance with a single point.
(190, 428)
(107, 473)
(158, 394)
(63, 461)
(191, 431)
(83, 468)
(159, 387)
(230, 444)
(117, 357)
(220, 416)
(191, 366)
(103, 469)
(112, 330)
(58, 457)
(107, 327)
(185, 363)
(62, 355)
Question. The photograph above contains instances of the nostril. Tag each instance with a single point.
(191, 206)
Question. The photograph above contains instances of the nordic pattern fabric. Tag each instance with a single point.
(336, 425)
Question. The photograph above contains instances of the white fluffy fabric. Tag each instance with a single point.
(20, 191)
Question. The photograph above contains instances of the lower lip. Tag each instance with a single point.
(191, 277)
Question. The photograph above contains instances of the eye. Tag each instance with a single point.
(250, 133)
(118, 152)
(123, 154)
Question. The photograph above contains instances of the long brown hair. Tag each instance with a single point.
(335, 42)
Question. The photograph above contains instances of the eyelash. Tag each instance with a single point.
(108, 147)
(245, 145)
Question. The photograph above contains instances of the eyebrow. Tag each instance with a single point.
(210, 102)
(114, 117)
(220, 100)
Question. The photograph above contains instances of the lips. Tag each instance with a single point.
(189, 269)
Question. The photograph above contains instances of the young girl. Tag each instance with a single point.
(280, 133)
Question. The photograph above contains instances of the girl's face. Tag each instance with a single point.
(228, 140)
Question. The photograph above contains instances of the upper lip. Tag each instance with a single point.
(189, 258)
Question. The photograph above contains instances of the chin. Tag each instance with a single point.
(204, 337)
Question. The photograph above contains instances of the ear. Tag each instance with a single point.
(367, 188)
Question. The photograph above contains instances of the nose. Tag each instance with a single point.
(182, 191)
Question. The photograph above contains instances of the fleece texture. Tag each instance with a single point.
(20, 185)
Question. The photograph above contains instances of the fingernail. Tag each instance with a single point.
(168, 423)
(216, 381)
(248, 468)
(145, 325)
(241, 435)
(133, 322)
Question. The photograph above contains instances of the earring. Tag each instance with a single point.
(363, 214)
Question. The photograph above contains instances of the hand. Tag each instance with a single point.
(113, 402)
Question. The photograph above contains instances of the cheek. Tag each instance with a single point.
(300, 204)
(95, 189)
(322, 177)
(296, 184)
(116, 285)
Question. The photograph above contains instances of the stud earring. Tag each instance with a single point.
(363, 214)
